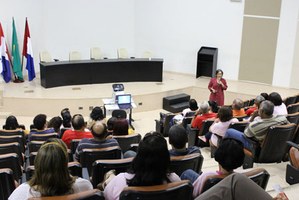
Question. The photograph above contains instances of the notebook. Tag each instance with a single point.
(124, 101)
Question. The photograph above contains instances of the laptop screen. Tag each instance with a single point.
(123, 99)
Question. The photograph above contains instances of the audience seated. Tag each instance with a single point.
(149, 167)
(265, 95)
(258, 128)
(279, 107)
(95, 115)
(40, 126)
(66, 118)
(78, 131)
(110, 124)
(55, 123)
(257, 101)
(178, 138)
(11, 123)
(192, 108)
(202, 114)
(229, 155)
(238, 109)
(213, 106)
(220, 125)
(99, 140)
(51, 176)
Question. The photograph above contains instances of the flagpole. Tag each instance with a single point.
(23, 45)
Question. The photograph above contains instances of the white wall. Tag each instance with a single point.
(171, 29)
(176, 29)
(61, 26)
(286, 43)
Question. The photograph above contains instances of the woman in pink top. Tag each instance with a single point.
(216, 87)
(149, 167)
(219, 127)
(229, 155)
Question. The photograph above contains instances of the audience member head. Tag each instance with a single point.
(11, 123)
(178, 137)
(213, 106)
(97, 114)
(230, 154)
(265, 95)
(266, 109)
(58, 141)
(78, 122)
(55, 123)
(66, 118)
(275, 98)
(151, 163)
(193, 104)
(99, 130)
(110, 124)
(237, 104)
(225, 114)
(258, 100)
(120, 127)
(204, 107)
(40, 121)
(51, 176)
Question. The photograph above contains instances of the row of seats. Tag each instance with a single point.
(95, 54)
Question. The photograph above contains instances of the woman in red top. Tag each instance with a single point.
(216, 86)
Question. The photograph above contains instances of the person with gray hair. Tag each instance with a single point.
(202, 114)
(238, 109)
(258, 128)
(257, 101)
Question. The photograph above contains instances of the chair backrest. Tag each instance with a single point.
(186, 121)
(12, 132)
(11, 160)
(62, 130)
(205, 126)
(7, 185)
(101, 167)
(260, 176)
(147, 54)
(95, 53)
(125, 141)
(119, 114)
(14, 138)
(277, 136)
(179, 164)
(45, 56)
(13, 147)
(94, 194)
(34, 146)
(88, 156)
(75, 55)
(293, 118)
(74, 145)
(122, 53)
(293, 108)
(290, 100)
(240, 126)
(170, 191)
(241, 118)
(42, 137)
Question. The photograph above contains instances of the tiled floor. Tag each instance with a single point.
(144, 121)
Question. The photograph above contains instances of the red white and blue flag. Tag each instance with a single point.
(28, 53)
(5, 62)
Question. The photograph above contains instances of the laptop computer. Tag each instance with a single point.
(124, 101)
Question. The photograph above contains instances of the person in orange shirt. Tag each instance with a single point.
(78, 131)
(238, 109)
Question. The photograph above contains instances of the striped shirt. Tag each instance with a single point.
(259, 128)
(93, 144)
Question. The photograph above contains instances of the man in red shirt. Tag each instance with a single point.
(202, 114)
(78, 132)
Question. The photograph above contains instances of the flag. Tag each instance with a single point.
(16, 60)
(6, 72)
(28, 54)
